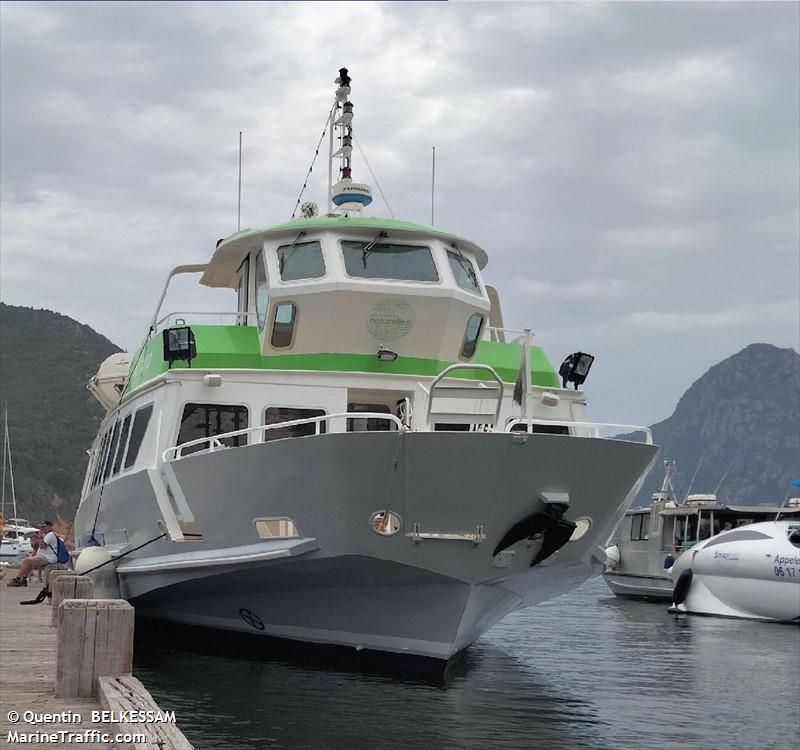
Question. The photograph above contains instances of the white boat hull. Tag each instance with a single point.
(752, 572)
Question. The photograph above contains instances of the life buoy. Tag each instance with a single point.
(682, 586)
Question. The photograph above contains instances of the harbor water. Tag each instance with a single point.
(587, 670)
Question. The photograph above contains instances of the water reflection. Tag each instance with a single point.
(585, 671)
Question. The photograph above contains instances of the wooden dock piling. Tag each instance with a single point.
(95, 639)
(68, 586)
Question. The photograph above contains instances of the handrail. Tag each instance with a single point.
(175, 452)
(177, 271)
(567, 423)
(229, 313)
(464, 366)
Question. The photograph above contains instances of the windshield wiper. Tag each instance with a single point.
(466, 266)
(284, 256)
(367, 249)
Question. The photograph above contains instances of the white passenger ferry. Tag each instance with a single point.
(360, 455)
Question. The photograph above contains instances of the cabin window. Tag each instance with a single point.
(640, 526)
(474, 326)
(368, 424)
(140, 421)
(262, 292)
(278, 414)
(207, 420)
(544, 429)
(112, 451)
(283, 324)
(451, 427)
(301, 260)
(101, 452)
(242, 300)
(381, 260)
(123, 439)
(464, 272)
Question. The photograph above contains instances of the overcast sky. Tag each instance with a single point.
(632, 169)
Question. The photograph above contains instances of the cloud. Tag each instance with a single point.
(632, 169)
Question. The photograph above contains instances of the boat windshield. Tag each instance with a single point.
(382, 260)
(464, 272)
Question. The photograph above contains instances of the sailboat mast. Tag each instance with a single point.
(5, 433)
(10, 468)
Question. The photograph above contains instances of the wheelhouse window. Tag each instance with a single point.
(283, 324)
(383, 260)
(262, 292)
(301, 260)
(242, 300)
(207, 420)
(464, 272)
(640, 526)
(140, 422)
(368, 424)
(278, 414)
(473, 333)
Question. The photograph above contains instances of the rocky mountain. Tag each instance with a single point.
(742, 418)
(46, 360)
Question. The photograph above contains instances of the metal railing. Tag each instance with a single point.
(496, 392)
(595, 426)
(180, 318)
(175, 452)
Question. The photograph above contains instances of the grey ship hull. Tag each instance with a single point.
(340, 582)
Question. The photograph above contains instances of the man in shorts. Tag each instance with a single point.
(45, 555)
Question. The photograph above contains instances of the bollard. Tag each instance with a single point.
(54, 571)
(69, 586)
(95, 639)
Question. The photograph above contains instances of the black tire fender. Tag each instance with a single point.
(682, 586)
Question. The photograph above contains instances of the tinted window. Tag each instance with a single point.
(140, 420)
(242, 292)
(262, 293)
(207, 420)
(123, 439)
(474, 325)
(368, 424)
(278, 414)
(101, 452)
(640, 526)
(368, 260)
(283, 325)
(548, 429)
(464, 272)
(112, 451)
(302, 260)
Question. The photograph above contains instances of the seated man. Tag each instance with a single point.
(45, 555)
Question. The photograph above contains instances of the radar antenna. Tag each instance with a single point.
(345, 197)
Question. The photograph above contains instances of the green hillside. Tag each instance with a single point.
(46, 360)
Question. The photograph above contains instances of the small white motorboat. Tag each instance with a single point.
(752, 572)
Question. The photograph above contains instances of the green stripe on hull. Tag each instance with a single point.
(238, 348)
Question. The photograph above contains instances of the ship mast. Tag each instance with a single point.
(345, 197)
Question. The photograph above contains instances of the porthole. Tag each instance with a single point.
(385, 522)
(582, 525)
